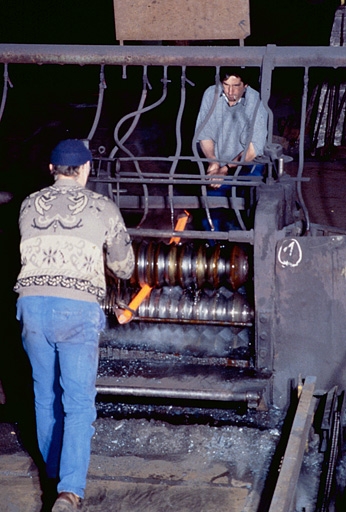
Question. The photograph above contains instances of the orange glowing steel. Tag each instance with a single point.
(180, 226)
(126, 315)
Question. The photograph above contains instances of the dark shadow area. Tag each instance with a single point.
(295, 23)
(15, 370)
(187, 412)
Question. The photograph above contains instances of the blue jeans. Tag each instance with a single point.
(60, 337)
(225, 219)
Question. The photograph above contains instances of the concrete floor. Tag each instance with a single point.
(153, 466)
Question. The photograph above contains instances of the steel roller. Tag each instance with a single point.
(190, 265)
(199, 306)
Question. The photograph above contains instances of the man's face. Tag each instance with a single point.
(234, 89)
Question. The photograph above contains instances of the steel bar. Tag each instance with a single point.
(186, 394)
(233, 236)
(244, 181)
(192, 322)
(281, 56)
(285, 490)
(131, 202)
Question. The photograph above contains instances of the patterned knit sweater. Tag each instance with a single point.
(64, 231)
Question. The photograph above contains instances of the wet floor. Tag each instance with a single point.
(152, 465)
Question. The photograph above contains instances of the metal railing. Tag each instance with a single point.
(266, 59)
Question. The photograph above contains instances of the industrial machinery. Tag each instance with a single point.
(193, 335)
(233, 315)
(204, 327)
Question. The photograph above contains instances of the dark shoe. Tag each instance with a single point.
(67, 502)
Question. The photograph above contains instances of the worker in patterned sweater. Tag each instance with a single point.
(67, 232)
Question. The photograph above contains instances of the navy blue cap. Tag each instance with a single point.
(70, 152)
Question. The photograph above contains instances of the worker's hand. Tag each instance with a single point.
(218, 171)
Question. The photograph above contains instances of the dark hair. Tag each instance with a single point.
(241, 73)
(66, 170)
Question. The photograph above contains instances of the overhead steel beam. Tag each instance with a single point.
(156, 55)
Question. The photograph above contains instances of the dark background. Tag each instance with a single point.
(285, 22)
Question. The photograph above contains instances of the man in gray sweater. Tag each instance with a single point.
(231, 129)
(67, 233)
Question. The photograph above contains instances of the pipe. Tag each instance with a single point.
(232, 236)
(282, 56)
(177, 155)
(187, 179)
(136, 116)
(195, 142)
(186, 394)
(301, 151)
(102, 87)
(7, 83)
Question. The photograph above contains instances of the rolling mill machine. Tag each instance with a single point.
(188, 325)
(197, 319)
(232, 316)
